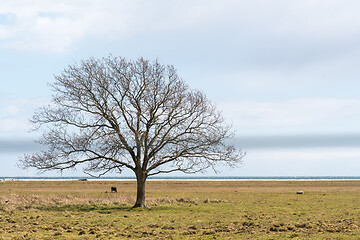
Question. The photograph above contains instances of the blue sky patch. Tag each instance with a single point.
(51, 15)
(7, 19)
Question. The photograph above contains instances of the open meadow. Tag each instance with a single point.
(180, 210)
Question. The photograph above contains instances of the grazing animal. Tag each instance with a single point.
(113, 189)
(300, 192)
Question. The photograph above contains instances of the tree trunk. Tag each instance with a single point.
(140, 197)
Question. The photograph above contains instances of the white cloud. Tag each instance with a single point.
(11, 109)
(306, 154)
(56, 25)
(314, 115)
(301, 162)
(15, 114)
(14, 125)
(53, 26)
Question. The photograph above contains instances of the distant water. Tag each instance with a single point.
(194, 178)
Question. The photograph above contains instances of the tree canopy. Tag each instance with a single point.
(112, 113)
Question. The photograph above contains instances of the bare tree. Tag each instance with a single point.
(111, 114)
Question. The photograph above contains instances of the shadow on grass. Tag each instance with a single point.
(106, 209)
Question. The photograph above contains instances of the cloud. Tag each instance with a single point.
(18, 146)
(248, 143)
(301, 162)
(294, 116)
(14, 125)
(56, 25)
(15, 114)
(11, 109)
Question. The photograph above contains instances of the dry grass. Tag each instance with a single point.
(181, 210)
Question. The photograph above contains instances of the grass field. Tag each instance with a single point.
(180, 210)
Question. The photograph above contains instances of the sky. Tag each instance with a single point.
(284, 73)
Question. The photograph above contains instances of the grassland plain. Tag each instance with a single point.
(180, 210)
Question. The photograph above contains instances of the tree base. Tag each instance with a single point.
(140, 206)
